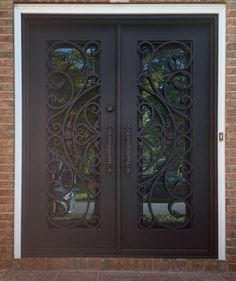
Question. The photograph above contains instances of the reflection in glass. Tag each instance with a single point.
(73, 134)
(164, 127)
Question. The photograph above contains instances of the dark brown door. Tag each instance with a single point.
(168, 182)
(119, 137)
(70, 172)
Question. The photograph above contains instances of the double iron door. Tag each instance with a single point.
(119, 137)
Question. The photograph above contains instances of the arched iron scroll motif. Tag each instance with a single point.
(164, 135)
(73, 134)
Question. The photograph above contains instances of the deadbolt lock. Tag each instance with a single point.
(221, 136)
(110, 108)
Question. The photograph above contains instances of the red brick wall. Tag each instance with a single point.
(7, 158)
(6, 130)
(231, 136)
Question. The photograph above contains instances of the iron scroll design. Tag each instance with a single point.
(73, 134)
(164, 134)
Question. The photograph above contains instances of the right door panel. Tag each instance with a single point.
(168, 145)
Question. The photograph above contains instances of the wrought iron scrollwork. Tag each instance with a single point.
(164, 129)
(73, 134)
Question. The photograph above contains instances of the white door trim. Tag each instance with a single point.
(131, 9)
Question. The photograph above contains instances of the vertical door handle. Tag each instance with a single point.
(128, 135)
(109, 148)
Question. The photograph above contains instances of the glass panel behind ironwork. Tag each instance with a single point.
(73, 134)
(164, 128)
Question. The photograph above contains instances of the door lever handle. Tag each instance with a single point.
(128, 136)
(109, 148)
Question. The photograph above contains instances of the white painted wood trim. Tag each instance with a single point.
(112, 9)
(120, 9)
(18, 134)
(221, 128)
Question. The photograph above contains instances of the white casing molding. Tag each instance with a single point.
(122, 9)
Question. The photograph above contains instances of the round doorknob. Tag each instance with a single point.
(110, 108)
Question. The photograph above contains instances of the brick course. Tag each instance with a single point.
(7, 159)
(6, 131)
(230, 137)
(122, 1)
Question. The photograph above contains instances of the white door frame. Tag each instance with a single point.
(113, 9)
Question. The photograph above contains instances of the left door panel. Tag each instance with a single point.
(68, 138)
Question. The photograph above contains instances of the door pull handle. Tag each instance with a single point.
(109, 148)
(128, 136)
